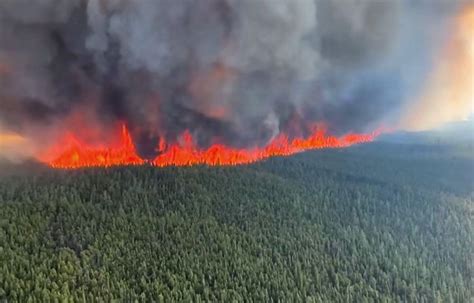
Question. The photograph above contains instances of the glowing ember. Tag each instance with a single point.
(188, 153)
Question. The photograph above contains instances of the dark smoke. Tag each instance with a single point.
(238, 70)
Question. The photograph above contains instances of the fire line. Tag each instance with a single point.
(79, 155)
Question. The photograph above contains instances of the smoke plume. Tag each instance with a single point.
(241, 71)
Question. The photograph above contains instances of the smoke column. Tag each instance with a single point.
(235, 72)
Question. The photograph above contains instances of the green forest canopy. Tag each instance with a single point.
(373, 223)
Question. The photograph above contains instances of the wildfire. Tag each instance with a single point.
(79, 154)
(187, 153)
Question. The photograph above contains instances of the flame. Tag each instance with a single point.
(78, 154)
(449, 94)
(187, 153)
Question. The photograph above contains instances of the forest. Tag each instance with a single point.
(379, 222)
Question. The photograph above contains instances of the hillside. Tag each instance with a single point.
(374, 223)
(458, 132)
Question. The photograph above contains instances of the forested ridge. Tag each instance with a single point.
(373, 223)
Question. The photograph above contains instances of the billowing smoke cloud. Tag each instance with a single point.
(238, 70)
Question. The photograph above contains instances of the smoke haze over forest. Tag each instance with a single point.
(242, 71)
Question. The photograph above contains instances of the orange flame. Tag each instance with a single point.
(217, 154)
(78, 154)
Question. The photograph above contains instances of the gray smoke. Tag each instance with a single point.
(238, 70)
